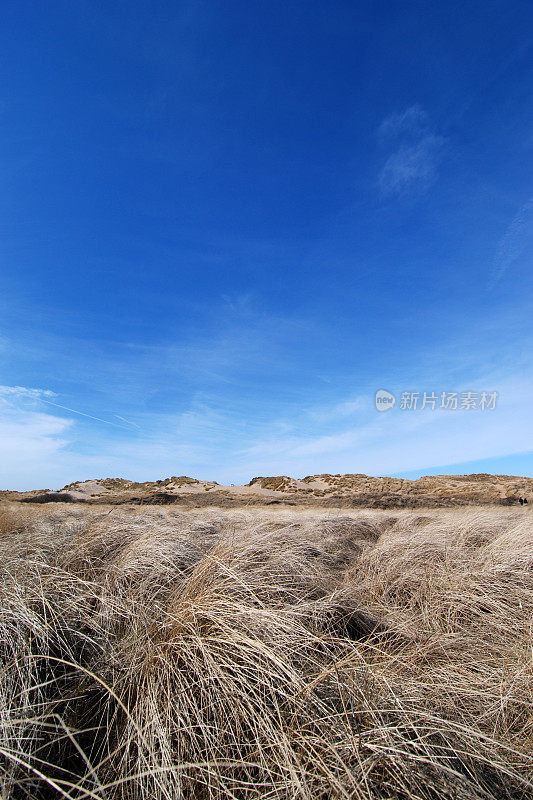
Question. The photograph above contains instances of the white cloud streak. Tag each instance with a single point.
(18, 392)
(36, 448)
(412, 165)
(517, 238)
(44, 395)
(220, 438)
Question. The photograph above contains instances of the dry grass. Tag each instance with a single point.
(153, 653)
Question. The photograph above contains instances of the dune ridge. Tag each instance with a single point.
(314, 490)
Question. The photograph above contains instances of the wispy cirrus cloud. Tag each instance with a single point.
(517, 238)
(412, 122)
(393, 443)
(18, 392)
(31, 442)
(206, 441)
(208, 427)
(416, 148)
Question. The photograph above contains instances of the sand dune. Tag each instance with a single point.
(313, 490)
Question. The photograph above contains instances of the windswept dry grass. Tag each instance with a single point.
(153, 653)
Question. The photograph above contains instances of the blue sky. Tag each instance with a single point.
(225, 226)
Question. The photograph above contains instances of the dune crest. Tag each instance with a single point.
(352, 490)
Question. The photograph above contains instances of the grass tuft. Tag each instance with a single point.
(153, 653)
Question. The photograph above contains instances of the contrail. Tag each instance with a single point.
(127, 421)
(89, 416)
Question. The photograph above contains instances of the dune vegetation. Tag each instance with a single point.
(149, 652)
